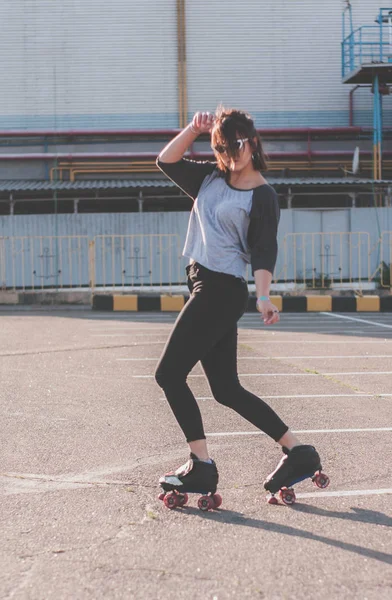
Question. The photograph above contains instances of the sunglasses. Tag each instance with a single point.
(238, 145)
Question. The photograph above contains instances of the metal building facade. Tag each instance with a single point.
(280, 60)
(93, 64)
(146, 248)
(115, 65)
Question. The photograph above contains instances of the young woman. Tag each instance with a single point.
(233, 222)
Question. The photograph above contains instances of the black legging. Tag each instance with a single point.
(206, 330)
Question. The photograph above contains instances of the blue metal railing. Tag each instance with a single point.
(367, 44)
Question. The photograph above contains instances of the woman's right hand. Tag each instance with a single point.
(202, 122)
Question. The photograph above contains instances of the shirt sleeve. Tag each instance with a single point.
(263, 229)
(187, 174)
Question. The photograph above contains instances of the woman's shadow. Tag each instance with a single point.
(358, 515)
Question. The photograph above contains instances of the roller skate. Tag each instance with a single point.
(300, 463)
(194, 477)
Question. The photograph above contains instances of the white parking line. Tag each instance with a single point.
(142, 335)
(280, 329)
(331, 327)
(337, 316)
(252, 336)
(265, 341)
(133, 318)
(342, 493)
(289, 374)
(355, 430)
(321, 342)
(291, 396)
(128, 329)
(316, 356)
(138, 359)
(283, 357)
(143, 344)
(284, 327)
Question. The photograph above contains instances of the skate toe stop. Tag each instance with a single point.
(272, 500)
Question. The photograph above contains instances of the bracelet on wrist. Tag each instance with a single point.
(262, 298)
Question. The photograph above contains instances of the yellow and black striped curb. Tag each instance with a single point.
(283, 303)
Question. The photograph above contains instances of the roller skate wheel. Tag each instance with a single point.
(272, 500)
(217, 498)
(205, 503)
(321, 480)
(287, 496)
(182, 499)
(161, 496)
(171, 500)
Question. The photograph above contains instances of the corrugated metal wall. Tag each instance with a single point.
(292, 221)
(114, 64)
(93, 63)
(280, 60)
(145, 259)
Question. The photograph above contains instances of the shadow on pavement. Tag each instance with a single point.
(291, 323)
(359, 515)
(364, 516)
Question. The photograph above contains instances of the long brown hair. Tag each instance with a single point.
(229, 124)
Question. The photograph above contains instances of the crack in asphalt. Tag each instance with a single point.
(57, 350)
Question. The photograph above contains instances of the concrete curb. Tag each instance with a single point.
(310, 303)
(45, 297)
(174, 302)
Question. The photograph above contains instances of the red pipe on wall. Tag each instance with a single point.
(169, 132)
(78, 155)
(149, 156)
(306, 155)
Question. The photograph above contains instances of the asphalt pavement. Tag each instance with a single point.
(86, 434)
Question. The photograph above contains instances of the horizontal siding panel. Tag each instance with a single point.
(279, 60)
(97, 64)
(91, 63)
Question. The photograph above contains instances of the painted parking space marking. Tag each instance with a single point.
(142, 335)
(315, 330)
(128, 329)
(160, 332)
(327, 327)
(267, 341)
(288, 374)
(321, 341)
(291, 396)
(303, 431)
(341, 493)
(296, 342)
(305, 326)
(19, 483)
(357, 356)
(337, 316)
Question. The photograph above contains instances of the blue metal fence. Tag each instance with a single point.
(368, 44)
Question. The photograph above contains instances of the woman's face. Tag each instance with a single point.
(241, 158)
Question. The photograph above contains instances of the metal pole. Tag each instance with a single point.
(380, 138)
(140, 201)
(390, 33)
(376, 126)
(289, 199)
(181, 59)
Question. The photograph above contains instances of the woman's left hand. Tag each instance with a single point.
(269, 312)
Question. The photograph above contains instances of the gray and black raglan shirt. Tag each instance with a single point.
(228, 228)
